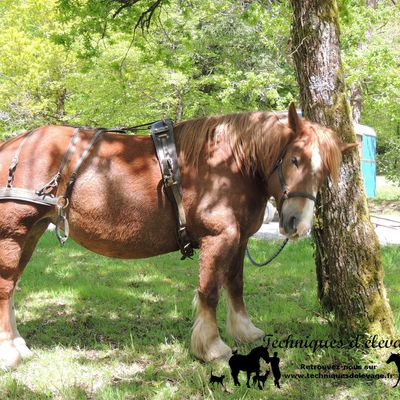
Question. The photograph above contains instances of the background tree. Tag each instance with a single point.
(349, 270)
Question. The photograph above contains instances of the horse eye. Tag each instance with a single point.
(294, 161)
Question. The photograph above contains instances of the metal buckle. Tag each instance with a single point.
(62, 203)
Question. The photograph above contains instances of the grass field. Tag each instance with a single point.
(108, 329)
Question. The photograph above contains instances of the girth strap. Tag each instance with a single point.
(163, 138)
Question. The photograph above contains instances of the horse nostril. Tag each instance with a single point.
(292, 223)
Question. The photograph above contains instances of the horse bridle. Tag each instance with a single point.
(286, 193)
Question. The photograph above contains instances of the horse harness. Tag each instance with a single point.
(164, 143)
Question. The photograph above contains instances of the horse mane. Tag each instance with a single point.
(257, 140)
(329, 147)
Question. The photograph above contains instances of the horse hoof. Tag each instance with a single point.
(9, 356)
(243, 331)
(22, 348)
(217, 350)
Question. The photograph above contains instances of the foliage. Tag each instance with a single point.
(371, 50)
(83, 62)
(33, 68)
(201, 58)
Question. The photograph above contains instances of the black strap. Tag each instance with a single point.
(286, 193)
(28, 195)
(15, 160)
(53, 183)
(163, 138)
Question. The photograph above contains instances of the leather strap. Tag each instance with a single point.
(28, 195)
(62, 225)
(286, 193)
(163, 138)
(53, 183)
(15, 160)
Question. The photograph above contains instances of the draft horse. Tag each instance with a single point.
(230, 165)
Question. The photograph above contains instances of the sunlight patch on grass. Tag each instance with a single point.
(61, 369)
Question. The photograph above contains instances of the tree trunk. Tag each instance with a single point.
(349, 269)
(356, 91)
(356, 97)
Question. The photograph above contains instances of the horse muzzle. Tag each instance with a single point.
(296, 222)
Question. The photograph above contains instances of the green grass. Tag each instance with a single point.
(386, 190)
(109, 329)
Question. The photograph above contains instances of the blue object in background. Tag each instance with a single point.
(367, 137)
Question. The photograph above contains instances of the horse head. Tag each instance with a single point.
(312, 153)
(262, 352)
(393, 358)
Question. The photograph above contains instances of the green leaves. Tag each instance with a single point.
(83, 62)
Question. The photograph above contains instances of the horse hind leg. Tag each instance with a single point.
(18, 239)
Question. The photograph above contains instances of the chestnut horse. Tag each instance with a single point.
(118, 207)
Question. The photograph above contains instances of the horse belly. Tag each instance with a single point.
(130, 218)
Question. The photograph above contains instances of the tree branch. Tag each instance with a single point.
(144, 20)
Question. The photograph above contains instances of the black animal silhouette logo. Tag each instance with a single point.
(396, 359)
(261, 378)
(275, 369)
(249, 363)
(216, 379)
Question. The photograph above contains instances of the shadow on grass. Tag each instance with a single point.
(72, 297)
(102, 302)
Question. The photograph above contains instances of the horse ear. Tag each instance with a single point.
(347, 146)
(295, 122)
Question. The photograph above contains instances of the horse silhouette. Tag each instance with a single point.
(249, 363)
(396, 359)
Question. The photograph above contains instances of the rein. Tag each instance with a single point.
(262, 264)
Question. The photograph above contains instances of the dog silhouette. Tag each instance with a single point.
(216, 379)
(261, 378)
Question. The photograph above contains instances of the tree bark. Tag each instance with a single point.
(349, 269)
(356, 91)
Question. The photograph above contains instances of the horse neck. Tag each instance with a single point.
(254, 140)
(255, 353)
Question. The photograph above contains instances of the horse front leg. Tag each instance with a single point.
(239, 325)
(215, 254)
(17, 242)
